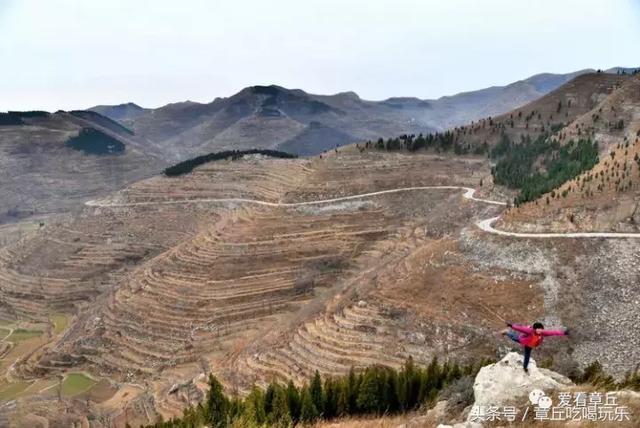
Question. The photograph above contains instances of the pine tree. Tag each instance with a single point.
(308, 410)
(342, 405)
(254, 408)
(293, 401)
(330, 399)
(279, 415)
(391, 398)
(353, 384)
(236, 407)
(368, 393)
(454, 372)
(315, 389)
(409, 385)
(268, 397)
(217, 405)
(435, 374)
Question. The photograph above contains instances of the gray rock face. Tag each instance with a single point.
(505, 381)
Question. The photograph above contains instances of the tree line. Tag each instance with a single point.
(534, 166)
(541, 165)
(438, 141)
(187, 166)
(375, 390)
(15, 117)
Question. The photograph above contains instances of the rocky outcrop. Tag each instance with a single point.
(505, 381)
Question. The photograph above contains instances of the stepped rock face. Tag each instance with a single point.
(505, 381)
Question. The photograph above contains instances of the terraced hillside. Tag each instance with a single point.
(228, 279)
(253, 270)
(162, 287)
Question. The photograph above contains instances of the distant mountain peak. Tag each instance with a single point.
(272, 114)
(349, 95)
(273, 90)
(120, 111)
(129, 105)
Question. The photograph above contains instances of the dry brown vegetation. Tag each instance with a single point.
(605, 197)
(562, 106)
(165, 284)
(166, 290)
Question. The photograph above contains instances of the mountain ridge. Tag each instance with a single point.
(272, 115)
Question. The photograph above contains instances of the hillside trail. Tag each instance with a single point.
(7, 336)
(469, 193)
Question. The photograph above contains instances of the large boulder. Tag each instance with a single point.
(506, 382)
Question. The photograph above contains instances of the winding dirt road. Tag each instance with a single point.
(469, 192)
(485, 225)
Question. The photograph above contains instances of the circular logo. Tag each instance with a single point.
(535, 395)
(545, 402)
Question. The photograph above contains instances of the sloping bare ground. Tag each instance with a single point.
(164, 293)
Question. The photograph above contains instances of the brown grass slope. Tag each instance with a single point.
(41, 175)
(606, 198)
(559, 107)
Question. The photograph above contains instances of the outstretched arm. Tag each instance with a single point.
(522, 328)
(563, 332)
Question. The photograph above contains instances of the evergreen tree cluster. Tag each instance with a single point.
(439, 141)
(94, 142)
(187, 166)
(375, 390)
(15, 117)
(541, 165)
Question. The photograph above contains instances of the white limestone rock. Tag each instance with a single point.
(506, 381)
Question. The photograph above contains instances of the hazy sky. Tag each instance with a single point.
(64, 54)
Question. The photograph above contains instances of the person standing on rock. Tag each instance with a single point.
(530, 337)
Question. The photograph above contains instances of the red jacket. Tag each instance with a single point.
(530, 338)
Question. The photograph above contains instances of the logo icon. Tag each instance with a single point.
(540, 399)
(535, 395)
(545, 402)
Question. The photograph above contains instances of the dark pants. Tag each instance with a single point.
(527, 355)
(527, 351)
